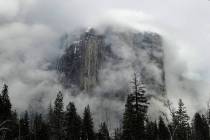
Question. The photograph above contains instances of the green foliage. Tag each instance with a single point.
(103, 132)
(67, 125)
(135, 112)
(128, 120)
(163, 131)
(200, 127)
(58, 118)
(24, 126)
(87, 125)
(151, 131)
(5, 105)
(181, 127)
(40, 128)
(72, 123)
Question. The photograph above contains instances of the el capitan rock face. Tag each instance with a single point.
(82, 61)
(107, 60)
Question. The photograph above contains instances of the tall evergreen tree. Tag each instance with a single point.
(58, 118)
(50, 121)
(72, 123)
(87, 125)
(103, 132)
(24, 127)
(151, 131)
(13, 126)
(7, 117)
(128, 120)
(180, 123)
(200, 127)
(5, 105)
(40, 128)
(135, 112)
(206, 132)
(163, 133)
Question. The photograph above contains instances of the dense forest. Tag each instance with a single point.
(67, 124)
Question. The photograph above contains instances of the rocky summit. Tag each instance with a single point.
(98, 58)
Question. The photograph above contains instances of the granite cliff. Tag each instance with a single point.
(92, 60)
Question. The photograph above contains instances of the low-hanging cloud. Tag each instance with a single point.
(30, 31)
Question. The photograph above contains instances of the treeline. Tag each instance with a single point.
(66, 124)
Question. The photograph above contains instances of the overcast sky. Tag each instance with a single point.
(30, 29)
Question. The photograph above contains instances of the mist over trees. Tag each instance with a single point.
(64, 123)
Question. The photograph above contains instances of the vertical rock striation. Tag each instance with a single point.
(84, 61)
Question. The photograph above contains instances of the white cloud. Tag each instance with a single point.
(29, 30)
(8, 8)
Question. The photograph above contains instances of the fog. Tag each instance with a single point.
(30, 32)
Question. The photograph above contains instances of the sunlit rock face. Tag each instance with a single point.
(104, 62)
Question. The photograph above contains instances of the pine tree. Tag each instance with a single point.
(50, 121)
(5, 105)
(58, 118)
(72, 123)
(205, 128)
(87, 125)
(180, 123)
(135, 112)
(128, 120)
(24, 127)
(200, 128)
(40, 128)
(6, 114)
(140, 108)
(164, 133)
(13, 126)
(103, 132)
(151, 131)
